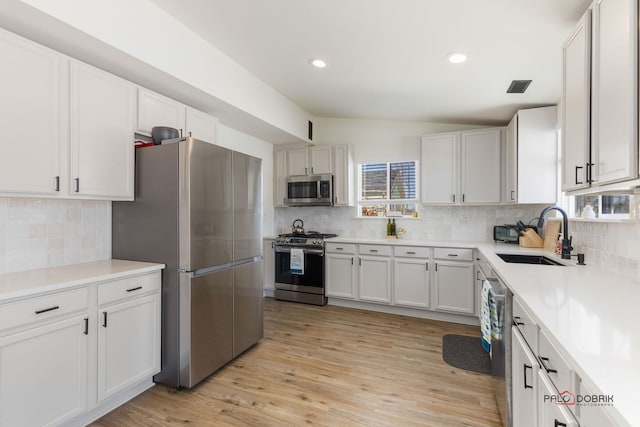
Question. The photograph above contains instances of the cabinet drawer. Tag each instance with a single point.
(130, 287)
(411, 252)
(524, 322)
(42, 308)
(554, 364)
(375, 250)
(458, 254)
(340, 248)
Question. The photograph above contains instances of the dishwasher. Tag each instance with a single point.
(500, 345)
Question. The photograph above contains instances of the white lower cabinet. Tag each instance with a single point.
(550, 413)
(62, 354)
(454, 287)
(128, 344)
(341, 275)
(524, 375)
(374, 278)
(43, 373)
(411, 279)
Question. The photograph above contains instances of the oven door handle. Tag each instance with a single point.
(306, 250)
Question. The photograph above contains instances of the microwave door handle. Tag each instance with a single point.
(318, 187)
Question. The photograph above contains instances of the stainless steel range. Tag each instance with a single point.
(299, 267)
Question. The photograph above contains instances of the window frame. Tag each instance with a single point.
(360, 202)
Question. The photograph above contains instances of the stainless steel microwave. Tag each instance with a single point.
(310, 190)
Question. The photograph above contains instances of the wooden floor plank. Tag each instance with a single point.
(329, 366)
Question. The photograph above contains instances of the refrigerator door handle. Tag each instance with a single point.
(246, 261)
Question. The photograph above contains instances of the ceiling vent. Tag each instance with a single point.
(518, 86)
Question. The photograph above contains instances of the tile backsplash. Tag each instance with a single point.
(455, 223)
(614, 246)
(38, 233)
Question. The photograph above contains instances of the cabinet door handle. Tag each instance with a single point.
(517, 322)
(57, 179)
(436, 266)
(557, 423)
(478, 275)
(462, 197)
(273, 245)
(134, 289)
(104, 320)
(351, 260)
(311, 169)
(77, 181)
(589, 173)
(576, 177)
(46, 310)
(544, 365)
(86, 326)
(305, 171)
(359, 261)
(526, 386)
(427, 265)
(454, 198)
(512, 195)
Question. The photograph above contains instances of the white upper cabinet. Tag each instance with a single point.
(480, 166)
(321, 159)
(343, 175)
(157, 110)
(297, 162)
(532, 157)
(576, 106)
(615, 91)
(439, 162)
(309, 161)
(600, 96)
(31, 80)
(201, 125)
(279, 178)
(462, 167)
(102, 132)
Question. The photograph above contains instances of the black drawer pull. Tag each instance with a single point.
(44, 310)
(452, 254)
(86, 326)
(104, 323)
(544, 365)
(557, 423)
(134, 289)
(526, 386)
(373, 250)
(411, 253)
(339, 249)
(517, 322)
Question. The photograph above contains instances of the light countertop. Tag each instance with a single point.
(31, 282)
(586, 311)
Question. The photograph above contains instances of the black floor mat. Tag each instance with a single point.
(465, 352)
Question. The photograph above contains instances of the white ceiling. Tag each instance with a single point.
(387, 58)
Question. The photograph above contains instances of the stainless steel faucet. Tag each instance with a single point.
(566, 239)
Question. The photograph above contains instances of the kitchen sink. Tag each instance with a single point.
(528, 259)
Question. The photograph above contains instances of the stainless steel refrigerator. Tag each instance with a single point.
(198, 209)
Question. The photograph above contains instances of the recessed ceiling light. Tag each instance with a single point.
(318, 63)
(457, 57)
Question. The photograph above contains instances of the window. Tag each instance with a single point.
(387, 189)
(603, 206)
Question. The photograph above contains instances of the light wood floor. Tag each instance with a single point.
(329, 366)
